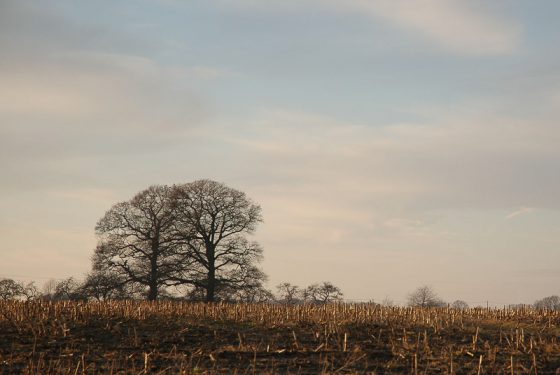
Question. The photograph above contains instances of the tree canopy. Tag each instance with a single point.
(213, 222)
(138, 241)
(192, 235)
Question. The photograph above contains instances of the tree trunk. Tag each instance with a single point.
(211, 282)
(153, 293)
(211, 286)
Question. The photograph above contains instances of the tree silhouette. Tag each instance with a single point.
(138, 243)
(424, 297)
(213, 221)
(193, 235)
(322, 293)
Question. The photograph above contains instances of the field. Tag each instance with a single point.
(195, 338)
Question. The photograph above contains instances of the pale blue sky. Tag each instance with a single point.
(390, 143)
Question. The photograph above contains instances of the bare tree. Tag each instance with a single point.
(548, 303)
(48, 289)
(213, 221)
(460, 305)
(255, 295)
(424, 297)
(387, 302)
(104, 286)
(192, 234)
(10, 289)
(288, 293)
(138, 243)
(68, 289)
(30, 291)
(252, 289)
(325, 292)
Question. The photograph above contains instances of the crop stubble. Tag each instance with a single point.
(170, 337)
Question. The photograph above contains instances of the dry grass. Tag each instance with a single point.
(193, 338)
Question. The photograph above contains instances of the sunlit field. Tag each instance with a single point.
(191, 338)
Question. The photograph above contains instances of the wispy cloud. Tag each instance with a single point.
(521, 211)
(461, 27)
(458, 26)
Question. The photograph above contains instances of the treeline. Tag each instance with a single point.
(96, 288)
(425, 296)
(100, 289)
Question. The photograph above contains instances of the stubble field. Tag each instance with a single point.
(169, 337)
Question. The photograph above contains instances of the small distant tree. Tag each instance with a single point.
(460, 305)
(10, 289)
(30, 291)
(195, 294)
(251, 288)
(68, 289)
(251, 294)
(424, 296)
(325, 292)
(288, 293)
(259, 295)
(104, 286)
(388, 302)
(48, 289)
(548, 303)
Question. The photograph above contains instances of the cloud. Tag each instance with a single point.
(75, 96)
(463, 161)
(87, 83)
(23, 96)
(67, 102)
(470, 28)
(466, 28)
(521, 211)
(86, 107)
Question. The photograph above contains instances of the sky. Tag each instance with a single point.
(391, 144)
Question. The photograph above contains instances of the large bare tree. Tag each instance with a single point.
(138, 243)
(214, 220)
